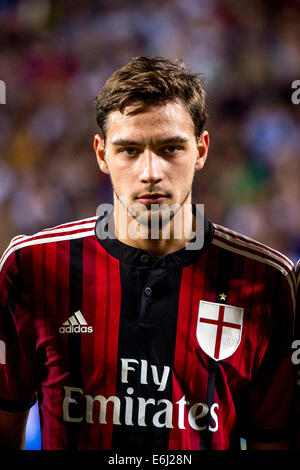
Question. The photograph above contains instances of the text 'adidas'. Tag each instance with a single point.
(76, 324)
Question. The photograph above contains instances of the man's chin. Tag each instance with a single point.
(154, 215)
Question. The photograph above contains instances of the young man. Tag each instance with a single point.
(140, 339)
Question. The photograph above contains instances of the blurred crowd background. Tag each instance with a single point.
(56, 55)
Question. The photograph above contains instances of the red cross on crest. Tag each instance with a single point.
(219, 329)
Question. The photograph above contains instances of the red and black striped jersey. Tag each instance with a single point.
(126, 351)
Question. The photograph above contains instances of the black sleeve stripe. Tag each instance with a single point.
(269, 435)
(15, 406)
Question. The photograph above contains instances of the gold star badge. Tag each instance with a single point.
(222, 296)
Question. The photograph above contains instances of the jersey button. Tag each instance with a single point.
(145, 259)
(148, 291)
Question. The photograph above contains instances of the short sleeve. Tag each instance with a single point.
(268, 407)
(17, 340)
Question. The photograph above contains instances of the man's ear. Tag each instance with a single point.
(202, 147)
(99, 147)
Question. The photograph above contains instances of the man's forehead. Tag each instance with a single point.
(171, 116)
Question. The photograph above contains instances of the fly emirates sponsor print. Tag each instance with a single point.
(158, 413)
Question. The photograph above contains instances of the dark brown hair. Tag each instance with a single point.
(152, 81)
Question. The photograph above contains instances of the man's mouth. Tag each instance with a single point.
(151, 198)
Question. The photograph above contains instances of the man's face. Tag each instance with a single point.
(151, 155)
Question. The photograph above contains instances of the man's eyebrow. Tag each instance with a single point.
(166, 140)
(125, 142)
(173, 140)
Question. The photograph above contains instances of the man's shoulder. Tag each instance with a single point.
(246, 247)
(60, 233)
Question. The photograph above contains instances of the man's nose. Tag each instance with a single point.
(151, 167)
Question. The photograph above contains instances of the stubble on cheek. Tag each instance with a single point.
(143, 216)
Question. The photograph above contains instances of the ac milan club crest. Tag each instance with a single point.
(219, 329)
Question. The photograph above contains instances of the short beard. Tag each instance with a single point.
(160, 215)
(145, 221)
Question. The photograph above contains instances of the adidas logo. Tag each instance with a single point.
(76, 324)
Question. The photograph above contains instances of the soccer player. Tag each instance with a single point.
(139, 339)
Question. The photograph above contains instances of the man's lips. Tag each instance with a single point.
(151, 198)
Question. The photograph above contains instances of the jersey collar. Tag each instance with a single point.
(141, 258)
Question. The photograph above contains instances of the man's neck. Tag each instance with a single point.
(172, 237)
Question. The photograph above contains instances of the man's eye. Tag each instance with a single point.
(171, 149)
(129, 151)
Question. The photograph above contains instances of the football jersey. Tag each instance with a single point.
(126, 351)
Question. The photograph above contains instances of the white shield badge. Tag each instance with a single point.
(219, 329)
